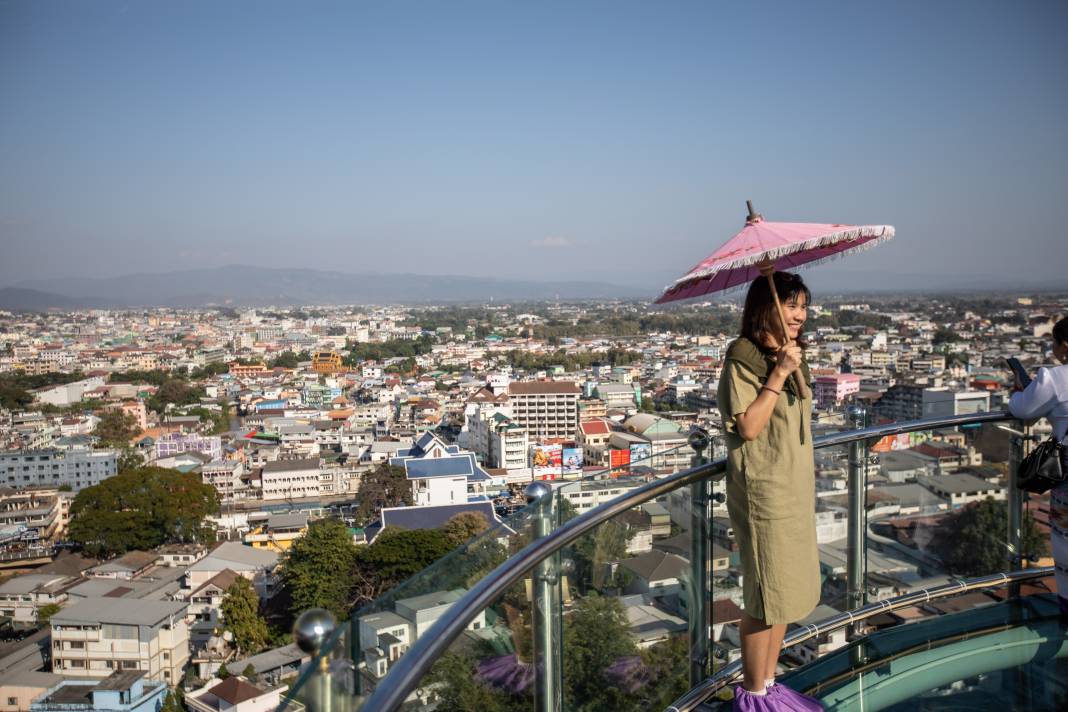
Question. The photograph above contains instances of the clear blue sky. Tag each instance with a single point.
(544, 140)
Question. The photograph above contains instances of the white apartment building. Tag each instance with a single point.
(945, 401)
(225, 477)
(545, 409)
(291, 479)
(499, 441)
(98, 636)
(77, 467)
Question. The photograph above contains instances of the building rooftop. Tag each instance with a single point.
(309, 463)
(120, 611)
(235, 555)
(235, 690)
(958, 484)
(543, 388)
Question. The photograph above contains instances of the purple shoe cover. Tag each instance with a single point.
(792, 699)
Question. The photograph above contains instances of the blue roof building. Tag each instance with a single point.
(122, 691)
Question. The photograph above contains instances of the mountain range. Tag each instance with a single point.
(242, 285)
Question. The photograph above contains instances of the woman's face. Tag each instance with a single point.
(796, 310)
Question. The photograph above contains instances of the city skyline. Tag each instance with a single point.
(609, 142)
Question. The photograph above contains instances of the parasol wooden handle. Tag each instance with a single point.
(768, 271)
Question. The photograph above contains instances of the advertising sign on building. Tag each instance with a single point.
(572, 460)
(641, 454)
(546, 461)
(902, 441)
(618, 461)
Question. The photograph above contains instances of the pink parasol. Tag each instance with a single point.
(762, 246)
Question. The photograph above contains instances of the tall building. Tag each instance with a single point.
(545, 409)
(77, 467)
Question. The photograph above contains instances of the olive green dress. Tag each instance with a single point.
(771, 495)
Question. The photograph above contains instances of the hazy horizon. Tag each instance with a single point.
(611, 142)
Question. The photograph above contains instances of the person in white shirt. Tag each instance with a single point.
(1047, 396)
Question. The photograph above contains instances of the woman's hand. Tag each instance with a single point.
(789, 359)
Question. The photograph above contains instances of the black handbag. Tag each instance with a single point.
(1042, 469)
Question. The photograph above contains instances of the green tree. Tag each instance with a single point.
(142, 509)
(129, 459)
(176, 391)
(222, 673)
(594, 552)
(173, 701)
(116, 428)
(289, 359)
(45, 613)
(154, 378)
(395, 555)
(464, 526)
(317, 568)
(667, 664)
(250, 674)
(595, 636)
(240, 612)
(384, 486)
(971, 540)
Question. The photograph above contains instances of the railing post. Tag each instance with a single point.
(1015, 497)
(700, 570)
(855, 558)
(311, 631)
(548, 635)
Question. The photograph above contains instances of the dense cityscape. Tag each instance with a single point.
(205, 475)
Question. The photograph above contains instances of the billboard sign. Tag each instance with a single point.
(546, 461)
(572, 460)
(641, 454)
(902, 441)
(618, 461)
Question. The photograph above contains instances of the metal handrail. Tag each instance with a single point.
(406, 673)
(729, 673)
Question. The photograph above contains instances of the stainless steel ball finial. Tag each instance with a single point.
(699, 439)
(537, 490)
(313, 628)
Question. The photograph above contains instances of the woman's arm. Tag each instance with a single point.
(1037, 399)
(755, 418)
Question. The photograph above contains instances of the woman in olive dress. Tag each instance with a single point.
(771, 484)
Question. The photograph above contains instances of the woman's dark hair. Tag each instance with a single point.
(1060, 331)
(759, 317)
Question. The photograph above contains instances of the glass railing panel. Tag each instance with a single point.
(625, 597)
(937, 509)
(378, 632)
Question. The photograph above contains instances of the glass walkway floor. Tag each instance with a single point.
(1007, 656)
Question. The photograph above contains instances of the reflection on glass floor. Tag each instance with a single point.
(1008, 656)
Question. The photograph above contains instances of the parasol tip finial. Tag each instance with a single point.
(754, 216)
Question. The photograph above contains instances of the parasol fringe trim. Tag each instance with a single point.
(881, 233)
(823, 260)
